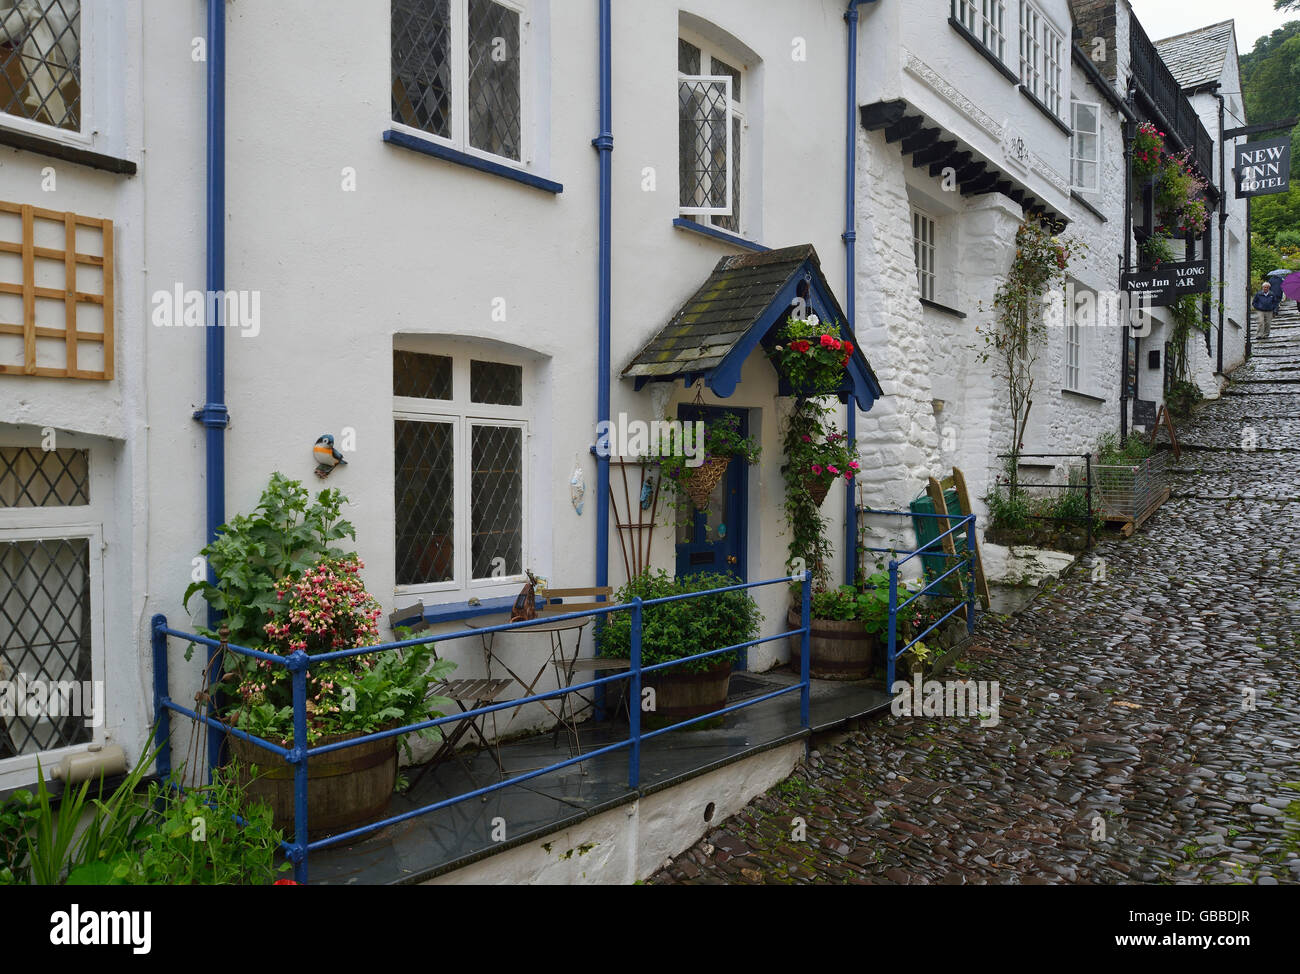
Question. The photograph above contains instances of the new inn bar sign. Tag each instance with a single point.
(1263, 168)
(1165, 284)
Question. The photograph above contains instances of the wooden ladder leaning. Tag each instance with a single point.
(935, 489)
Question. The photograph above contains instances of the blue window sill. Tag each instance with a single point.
(455, 611)
(438, 151)
(681, 223)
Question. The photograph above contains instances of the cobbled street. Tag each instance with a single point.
(1126, 704)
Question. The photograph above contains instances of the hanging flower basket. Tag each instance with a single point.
(702, 480)
(818, 489)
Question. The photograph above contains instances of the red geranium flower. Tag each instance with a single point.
(800, 345)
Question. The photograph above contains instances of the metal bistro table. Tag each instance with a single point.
(562, 660)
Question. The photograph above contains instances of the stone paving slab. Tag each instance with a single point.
(1148, 719)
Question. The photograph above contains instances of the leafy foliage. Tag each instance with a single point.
(722, 438)
(1012, 342)
(324, 609)
(1111, 454)
(812, 356)
(675, 630)
(161, 836)
(286, 534)
(1182, 396)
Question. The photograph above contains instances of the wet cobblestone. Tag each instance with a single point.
(1123, 706)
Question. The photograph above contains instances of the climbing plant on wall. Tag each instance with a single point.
(1013, 338)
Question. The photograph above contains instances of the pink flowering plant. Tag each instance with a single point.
(812, 356)
(326, 609)
(1148, 152)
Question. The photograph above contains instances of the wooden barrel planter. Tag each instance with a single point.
(682, 694)
(837, 650)
(345, 788)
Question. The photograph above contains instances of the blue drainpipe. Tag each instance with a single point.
(851, 277)
(604, 144)
(214, 416)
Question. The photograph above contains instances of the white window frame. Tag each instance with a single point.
(1075, 157)
(91, 79)
(735, 112)
(925, 252)
(1042, 52)
(986, 20)
(459, 140)
(463, 414)
(1073, 353)
(53, 524)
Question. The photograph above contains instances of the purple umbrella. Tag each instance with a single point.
(1291, 286)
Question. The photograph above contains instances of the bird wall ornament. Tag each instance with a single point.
(327, 458)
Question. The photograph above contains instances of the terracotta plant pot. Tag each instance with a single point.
(683, 694)
(837, 650)
(345, 788)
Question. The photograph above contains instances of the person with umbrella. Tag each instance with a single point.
(1266, 301)
(1275, 279)
(1289, 287)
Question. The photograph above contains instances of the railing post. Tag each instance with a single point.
(1087, 489)
(634, 701)
(805, 682)
(298, 758)
(893, 626)
(161, 716)
(970, 573)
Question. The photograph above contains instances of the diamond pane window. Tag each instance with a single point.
(45, 636)
(705, 146)
(422, 86)
(688, 57)
(496, 383)
(40, 61)
(421, 376)
(31, 477)
(496, 500)
(494, 101)
(425, 511)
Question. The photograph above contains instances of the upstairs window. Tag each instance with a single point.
(985, 19)
(1085, 146)
(458, 70)
(1041, 57)
(40, 62)
(924, 248)
(711, 88)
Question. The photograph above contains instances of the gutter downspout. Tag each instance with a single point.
(1130, 130)
(214, 415)
(1223, 220)
(604, 145)
(850, 274)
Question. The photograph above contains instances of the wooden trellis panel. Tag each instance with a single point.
(50, 341)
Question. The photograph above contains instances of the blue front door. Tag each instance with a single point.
(714, 540)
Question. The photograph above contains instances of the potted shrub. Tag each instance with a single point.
(723, 443)
(285, 589)
(676, 630)
(847, 623)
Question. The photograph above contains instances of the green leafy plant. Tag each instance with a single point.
(1111, 454)
(722, 439)
(1182, 396)
(286, 534)
(675, 630)
(812, 356)
(1013, 340)
(1156, 249)
(1148, 151)
(326, 608)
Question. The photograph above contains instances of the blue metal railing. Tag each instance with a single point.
(934, 586)
(299, 662)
